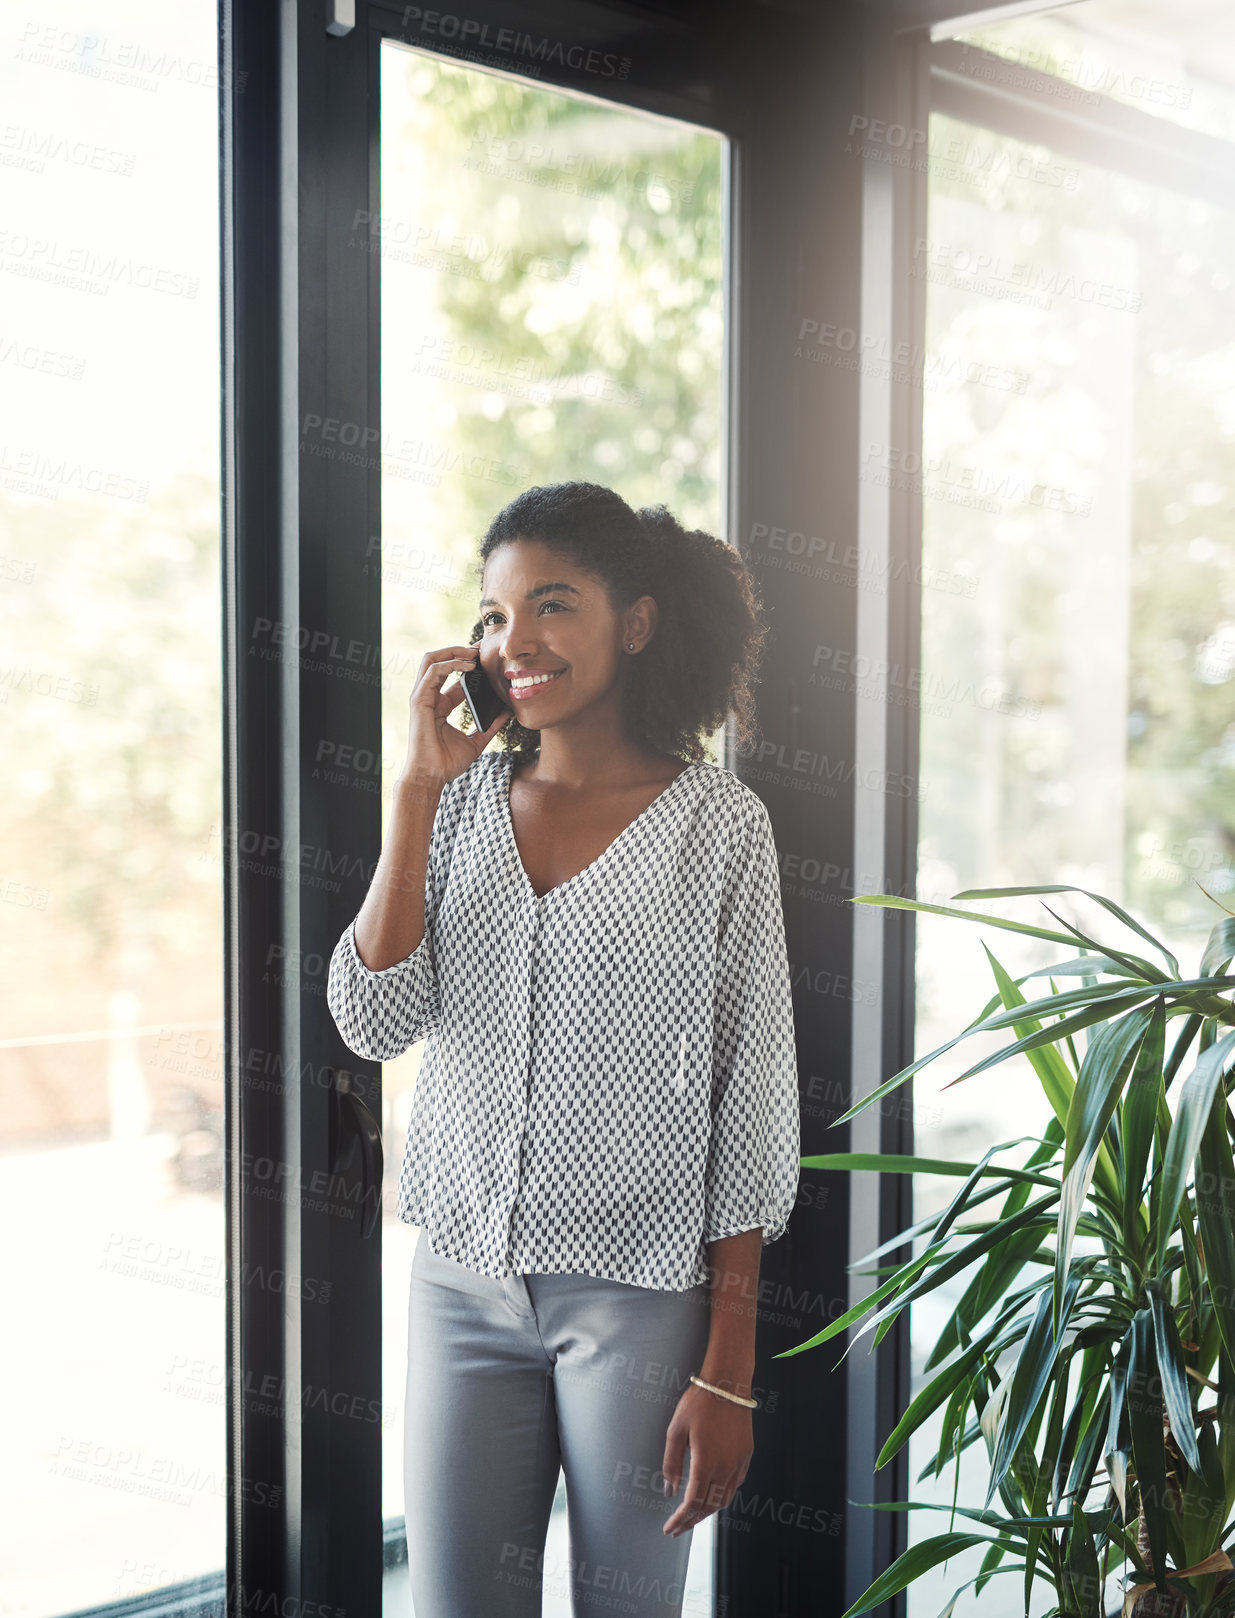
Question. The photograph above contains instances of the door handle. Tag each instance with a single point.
(353, 1128)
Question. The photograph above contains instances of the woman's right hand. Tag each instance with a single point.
(436, 749)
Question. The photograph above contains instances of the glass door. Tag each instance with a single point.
(465, 256)
(552, 308)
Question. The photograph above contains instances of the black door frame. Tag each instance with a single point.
(815, 236)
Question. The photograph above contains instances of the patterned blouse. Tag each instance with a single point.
(609, 1078)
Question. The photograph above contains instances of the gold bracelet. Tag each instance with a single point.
(751, 1404)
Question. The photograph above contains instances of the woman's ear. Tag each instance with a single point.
(640, 620)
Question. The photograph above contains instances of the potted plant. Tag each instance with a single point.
(1098, 1312)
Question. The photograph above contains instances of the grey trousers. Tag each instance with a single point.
(509, 1382)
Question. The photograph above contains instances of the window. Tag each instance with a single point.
(1078, 615)
(111, 1061)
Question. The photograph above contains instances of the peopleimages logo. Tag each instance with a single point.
(512, 42)
(838, 669)
(859, 560)
(938, 475)
(1046, 282)
(254, 1599)
(803, 762)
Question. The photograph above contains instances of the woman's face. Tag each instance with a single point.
(543, 615)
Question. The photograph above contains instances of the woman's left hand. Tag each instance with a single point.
(721, 1440)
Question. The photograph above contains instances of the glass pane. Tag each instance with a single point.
(1166, 61)
(111, 1066)
(1076, 696)
(551, 309)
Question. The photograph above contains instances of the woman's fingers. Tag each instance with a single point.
(677, 1436)
(447, 701)
(437, 670)
(691, 1507)
(702, 1498)
(429, 689)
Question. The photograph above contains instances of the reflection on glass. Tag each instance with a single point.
(1078, 654)
(1164, 62)
(111, 1063)
(551, 310)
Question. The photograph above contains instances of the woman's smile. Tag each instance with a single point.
(522, 686)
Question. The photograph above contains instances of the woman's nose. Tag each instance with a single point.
(517, 642)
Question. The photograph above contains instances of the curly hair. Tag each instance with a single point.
(702, 660)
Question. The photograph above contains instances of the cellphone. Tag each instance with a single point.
(482, 700)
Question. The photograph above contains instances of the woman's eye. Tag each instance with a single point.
(486, 617)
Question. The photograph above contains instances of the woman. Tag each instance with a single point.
(585, 927)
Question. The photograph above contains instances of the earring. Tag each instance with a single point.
(630, 645)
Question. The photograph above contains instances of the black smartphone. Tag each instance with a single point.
(482, 700)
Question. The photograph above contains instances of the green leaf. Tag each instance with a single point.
(1092, 1364)
(1134, 963)
(1051, 1067)
(1080, 966)
(1226, 1433)
(931, 1397)
(1170, 1358)
(959, 1441)
(912, 1564)
(893, 902)
(1180, 1048)
(1195, 1100)
(992, 1518)
(1139, 1116)
(995, 1234)
(1148, 1449)
(1117, 1441)
(1043, 1467)
(990, 1562)
(952, 1427)
(1204, 1506)
(958, 1204)
(1098, 898)
(1055, 1005)
(943, 1269)
(1081, 1564)
(884, 1290)
(1190, 1248)
(1220, 950)
(1011, 1189)
(1003, 1264)
(1099, 1086)
(899, 1163)
(1054, 1032)
(981, 1581)
(1109, 1060)
(1214, 1192)
(1052, 1071)
(979, 1026)
(1085, 1464)
(1029, 1379)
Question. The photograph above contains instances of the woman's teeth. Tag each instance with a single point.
(522, 687)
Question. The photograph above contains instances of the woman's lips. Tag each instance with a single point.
(521, 695)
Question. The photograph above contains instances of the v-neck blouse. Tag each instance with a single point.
(609, 1076)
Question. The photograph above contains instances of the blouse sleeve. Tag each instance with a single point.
(381, 1013)
(753, 1156)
